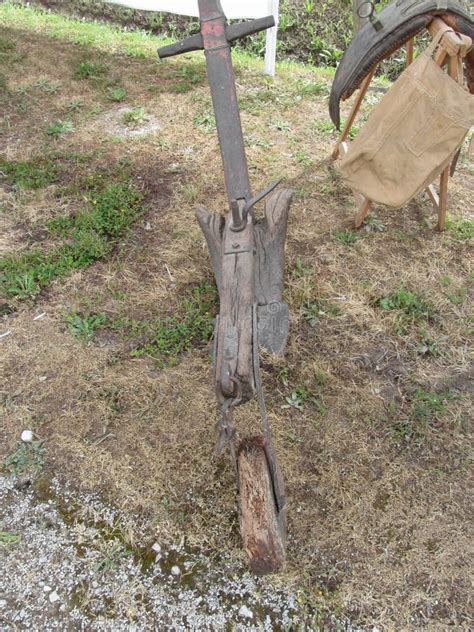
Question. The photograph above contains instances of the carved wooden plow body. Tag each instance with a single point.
(248, 261)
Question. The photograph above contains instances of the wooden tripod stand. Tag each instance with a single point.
(454, 46)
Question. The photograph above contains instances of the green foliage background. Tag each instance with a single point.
(310, 30)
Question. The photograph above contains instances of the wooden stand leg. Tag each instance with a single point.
(362, 214)
(353, 113)
(443, 199)
(410, 50)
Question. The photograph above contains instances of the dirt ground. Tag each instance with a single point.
(371, 405)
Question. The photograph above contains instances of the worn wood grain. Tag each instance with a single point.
(262, 528)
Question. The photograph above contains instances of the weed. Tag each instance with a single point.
(300, 269)
(303, 158)
(23, 286)
(27, 458)
(116, 95)
(7, 539)
(84, 326)
(88, 70)
(59, 128)
(297, 398)
(134, 117)
(461, 229)
(428, 407)
(171, 336)
(427, 346)
(6, 46)
(74, 106)
(346, 237)
(110, 558)
(308, 88)
(409, 307)
(324, 126)
(312, 312)
(206, 121)
(191, 192)
(46, 86)
(190, 75)
(300, 396)
(32, 174)
(280, 126)
(458, 297)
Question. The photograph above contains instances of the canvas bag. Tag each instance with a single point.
(411, 135)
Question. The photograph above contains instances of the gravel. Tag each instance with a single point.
(68, 570)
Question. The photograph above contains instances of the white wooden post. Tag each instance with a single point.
(272, 37)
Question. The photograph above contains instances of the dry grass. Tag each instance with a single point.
(377, 473)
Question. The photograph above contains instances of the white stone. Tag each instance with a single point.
(53, 597)
(175, 570)
(27, 436)
(156, 547)
(47, 588)
(245, 612)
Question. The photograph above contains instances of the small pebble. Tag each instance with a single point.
(27, 436)
(148, 226)
(175, 570)
(156, 548)
(245, 612)
(3, 603)
(53, 597)
(47, 588)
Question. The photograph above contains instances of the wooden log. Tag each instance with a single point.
(263, 529)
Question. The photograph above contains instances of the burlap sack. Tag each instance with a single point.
(411, 135)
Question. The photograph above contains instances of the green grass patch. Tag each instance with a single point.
(205, 121)
(8, 539)
(135, 117)
(409, 308)
(459, 228)
(116, 95)
(428, 408)
(89, 235)
(169, 336)
(102, 36)
(426, 413)
(30, 174)
(312, 312)
(84, 326)
(59, 128)
(89, 70)
(346, 237)
(27, 458)
(189, 76)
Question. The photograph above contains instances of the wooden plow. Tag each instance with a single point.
(248, 261)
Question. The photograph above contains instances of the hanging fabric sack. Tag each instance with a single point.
(411, 135)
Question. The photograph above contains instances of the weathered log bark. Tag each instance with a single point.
(263, 529)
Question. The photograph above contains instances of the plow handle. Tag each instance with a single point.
(233, 33)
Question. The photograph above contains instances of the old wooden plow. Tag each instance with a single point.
(248, 261)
